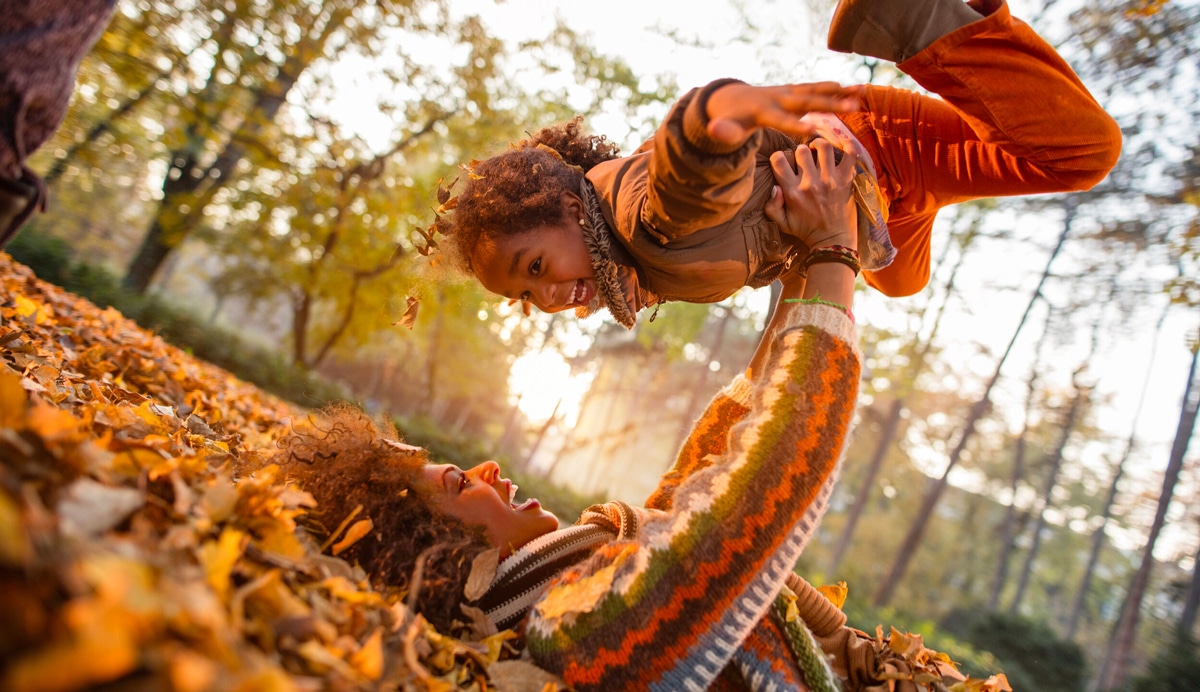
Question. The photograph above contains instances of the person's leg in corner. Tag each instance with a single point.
(41, 45)
(982, 138)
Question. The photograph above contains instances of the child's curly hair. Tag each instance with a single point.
(522, 188)
(344, 461)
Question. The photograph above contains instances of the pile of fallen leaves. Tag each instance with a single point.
(139, 552)
(133, 547)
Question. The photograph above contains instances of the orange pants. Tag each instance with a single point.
(1015, 120)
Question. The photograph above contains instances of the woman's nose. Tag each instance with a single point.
(488, 471)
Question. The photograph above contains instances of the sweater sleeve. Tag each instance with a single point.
(695, 182)
(668, 610)
(707, 440)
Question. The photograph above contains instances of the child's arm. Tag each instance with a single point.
(701, 168)
(736, 111)
(809, 202)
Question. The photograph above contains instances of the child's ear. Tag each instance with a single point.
(572, 206)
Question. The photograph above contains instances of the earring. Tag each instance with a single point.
(582, 223)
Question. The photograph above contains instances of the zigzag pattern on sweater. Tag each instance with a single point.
(669, 610)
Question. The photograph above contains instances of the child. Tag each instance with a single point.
(561, 222)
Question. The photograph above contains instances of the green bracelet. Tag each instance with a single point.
(818, 300)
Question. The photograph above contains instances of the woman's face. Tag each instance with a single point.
(548, 265)
(480, 497)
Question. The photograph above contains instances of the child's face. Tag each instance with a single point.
(546, 265)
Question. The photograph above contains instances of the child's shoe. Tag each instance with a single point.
(895, 30)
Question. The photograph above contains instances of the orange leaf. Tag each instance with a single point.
(409, 318)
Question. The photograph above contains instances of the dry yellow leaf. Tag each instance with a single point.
(344, 589)
(14, 544)
(836, 593)
(568, 600)
(189, 671)
(495, 643)
(354, 534)
(279, 538)
(28, 308)
(368, 660)
(324, 659)
(13, 401)
(219, 557)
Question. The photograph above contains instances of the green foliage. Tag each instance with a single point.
(1030, 653)
(675, 325)
(1175, 669)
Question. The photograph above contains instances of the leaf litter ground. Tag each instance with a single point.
(136, 554)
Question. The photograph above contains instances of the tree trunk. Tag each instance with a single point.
(858, 507)
(182, 208)
(1106, 512)
(541, 436)
(892, 425)
(1039, 526)
(1116, 661)
(1018, 475)
(1191, 602)
(106, 125)
(912, 541)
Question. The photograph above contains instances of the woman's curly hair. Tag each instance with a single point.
(344, 461)
(521, 188)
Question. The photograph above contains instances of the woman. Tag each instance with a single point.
(675, 596)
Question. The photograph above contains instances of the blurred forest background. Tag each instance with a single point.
(1020, 477)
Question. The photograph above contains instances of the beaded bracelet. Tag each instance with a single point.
(848, 251)
(823, 255)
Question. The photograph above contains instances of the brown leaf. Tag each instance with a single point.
(483, 571)
(443, 192)
(522, 676)
(479, 625)
(88, 508)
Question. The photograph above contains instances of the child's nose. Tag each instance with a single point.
(546, 294)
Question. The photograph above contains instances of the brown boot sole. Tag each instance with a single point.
(17, 202)
(848, 18)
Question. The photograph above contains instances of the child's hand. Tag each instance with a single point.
(736, 111)
(813, 202)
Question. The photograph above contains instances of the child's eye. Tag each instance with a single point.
(526, 296)
(535, 266)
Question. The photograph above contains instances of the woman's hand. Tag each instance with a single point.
(736, 111)
(813, 201)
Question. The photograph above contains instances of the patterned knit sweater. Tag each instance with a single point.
(671, 608)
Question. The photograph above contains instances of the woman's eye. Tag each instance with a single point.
(535, 266)
(463, 482)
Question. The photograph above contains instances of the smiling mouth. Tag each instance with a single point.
(512, 496)
(579, 293)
